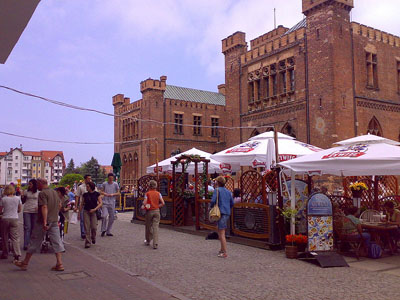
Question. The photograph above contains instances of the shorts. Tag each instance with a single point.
(38, 235)
(222, 223)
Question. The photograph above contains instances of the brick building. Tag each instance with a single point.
(204, 111)
(323, 80)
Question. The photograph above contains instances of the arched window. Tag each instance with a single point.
(136, 166)
(130, 166)
(374, 127)
(288, 129)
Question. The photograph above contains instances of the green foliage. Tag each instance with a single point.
(92, 168)
(70, 169)
(69, 179)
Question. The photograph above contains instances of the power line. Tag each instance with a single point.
(60, 103)
(72, 142)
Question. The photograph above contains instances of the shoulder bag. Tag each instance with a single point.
(215, 214)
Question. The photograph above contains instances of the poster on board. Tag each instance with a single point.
(319, 223)
(301, 192)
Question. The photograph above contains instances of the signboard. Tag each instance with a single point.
(164, 185)
(301, 192)
(319, 223)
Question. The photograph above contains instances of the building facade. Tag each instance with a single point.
(323, 80)
(22, 165)
(140, 135)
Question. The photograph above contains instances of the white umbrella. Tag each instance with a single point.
(367, 138)
(362, 158)
(166, 166)
(255, 152)
(270, 135)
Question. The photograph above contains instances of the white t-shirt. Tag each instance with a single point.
(10, 206)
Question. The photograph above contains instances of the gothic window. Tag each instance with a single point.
(197, 125)
(178, 128)
(374, 127)
(266, 87)
(214, 127)
(274, 85)
(372, 70)
(251, 91)
(130, 166)
(257, 92)
(254, 133)
(283, 82)
(291, 75)
(288, 129)
(398, 76)
(136, 165)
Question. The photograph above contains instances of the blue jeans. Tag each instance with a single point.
(29, 223)
(82, 223)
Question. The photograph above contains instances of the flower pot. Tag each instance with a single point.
(356, 193)
(291, 251)
(301, 247)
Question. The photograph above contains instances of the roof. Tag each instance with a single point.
(3, 153)
(32, 153)
(193, 95)
(301, 24)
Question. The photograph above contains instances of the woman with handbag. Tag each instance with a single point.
(92, 201)
(30, 212)
(224, 201)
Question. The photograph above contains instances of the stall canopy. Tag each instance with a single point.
(366, 155)
(260, 150)
(166, 166)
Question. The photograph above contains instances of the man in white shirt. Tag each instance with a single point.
(110, 193)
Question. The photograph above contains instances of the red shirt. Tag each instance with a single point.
(153, 198)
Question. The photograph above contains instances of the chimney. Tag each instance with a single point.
(163, 78)
(221, 89)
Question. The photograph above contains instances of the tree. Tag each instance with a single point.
(70, 167)
(93, 168)
(69, 179)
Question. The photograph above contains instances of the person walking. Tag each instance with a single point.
(64, 210)
(30, 212)
(49, 205)
(152, 203)
(81, 189)
(92, 201)
(10, 205)
(110, 193)
(225, 204)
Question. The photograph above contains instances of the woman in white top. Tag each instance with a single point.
(30, 210)
(10, 205)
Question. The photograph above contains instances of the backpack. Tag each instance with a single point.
(374, 251)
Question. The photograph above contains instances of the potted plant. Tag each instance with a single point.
(301, 242)
(357, 188)
(290, 247)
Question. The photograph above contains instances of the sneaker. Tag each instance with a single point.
(110, 234)
(94, 241)
(155, 246)
(146, 243)
(87, 245)
(103, 233)
(223, 255)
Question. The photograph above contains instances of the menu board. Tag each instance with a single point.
(301, 192)
(319, 223)
(164, 186)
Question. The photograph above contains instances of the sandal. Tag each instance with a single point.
(23, 266)
(223, 255)
(58, 268)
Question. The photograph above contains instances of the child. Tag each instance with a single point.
(152, 203)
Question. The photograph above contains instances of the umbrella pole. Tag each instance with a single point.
(157, 171)
(293, 201)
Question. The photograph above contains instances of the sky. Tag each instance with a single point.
(84, 52)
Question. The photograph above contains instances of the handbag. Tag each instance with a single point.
(99, 214)
(215, 214)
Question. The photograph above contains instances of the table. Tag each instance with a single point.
(380, 232)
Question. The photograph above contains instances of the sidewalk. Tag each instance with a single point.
(85, 277)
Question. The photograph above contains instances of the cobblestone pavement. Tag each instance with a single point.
(188, 265)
